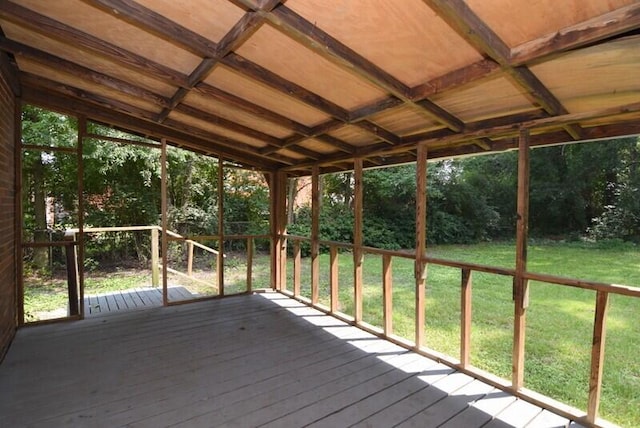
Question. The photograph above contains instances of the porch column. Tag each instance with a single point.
(358, 256)
(164, 221)
(82, 131)
(278, 221)
(315, 233)
(421, 242)
(520, 284)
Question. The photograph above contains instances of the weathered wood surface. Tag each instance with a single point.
(136, 298)
(245, 361)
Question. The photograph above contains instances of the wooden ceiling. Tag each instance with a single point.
(272, 84)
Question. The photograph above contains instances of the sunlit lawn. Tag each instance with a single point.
(559, 319)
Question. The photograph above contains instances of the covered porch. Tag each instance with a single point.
(290, 89)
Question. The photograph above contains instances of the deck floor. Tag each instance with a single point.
(246, 361)
(135, 298)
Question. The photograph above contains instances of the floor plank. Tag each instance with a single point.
(256, 360)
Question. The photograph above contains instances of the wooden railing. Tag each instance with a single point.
(462, 362)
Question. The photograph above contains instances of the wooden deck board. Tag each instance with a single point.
(136, 298)
(244, 361)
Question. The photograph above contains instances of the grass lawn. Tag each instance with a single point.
(559, 319)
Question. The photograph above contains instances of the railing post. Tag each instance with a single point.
(189, 258)
(315, 233)
(597, 355)
(72, 273)
(297, 270)
(155, 259)
(387, 294)
(465, 317)
(249, 264)
(333, 277)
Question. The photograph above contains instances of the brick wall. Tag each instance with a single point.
(7, 219)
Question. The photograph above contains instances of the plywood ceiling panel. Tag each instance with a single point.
(471, 103)
(587, 87)
(296, 63)
(257, 93)
(519, 22)
(74, 82)
(404, 120)
(78, 56)
(116, 31)
(354, 135)
(405, 38)
(204, 125)
(209, 18)
(318, 146)
(200, 101)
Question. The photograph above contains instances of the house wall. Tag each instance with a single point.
(8, 275)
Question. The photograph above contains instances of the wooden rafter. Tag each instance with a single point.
(52, 28)
(314, 38)
(66, 95)
(503, 128)
(20, 50)
(462, 19)
(384, 145)
(236, 36)
(593, 30)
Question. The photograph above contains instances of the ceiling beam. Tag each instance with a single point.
(249, 107)
(593, 30)
(9, 72)
(51, 28)
(496, 130)
(269, 78)
(143, 17)
(332, 49)
(462, 76)
(218, 142)
(241, 31)
(59, 64)
(60, 102)
(461, 18)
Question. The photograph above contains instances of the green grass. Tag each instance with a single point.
(559, 319)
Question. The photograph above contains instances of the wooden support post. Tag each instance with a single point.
(465, 317)
(220, 258)
(315, 233)
(82, 131)
(358, 255)
(520, 284)
(17, 201)
(278, 221)
(189, 258)
(164, 221)
(249, 265)
(387, 294)
(297, 268)
(283, 179)
(273, 229)
(155, 272)
(421, 242)
(333, 278)
(597, 355)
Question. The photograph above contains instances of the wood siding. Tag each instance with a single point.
(7, 218)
